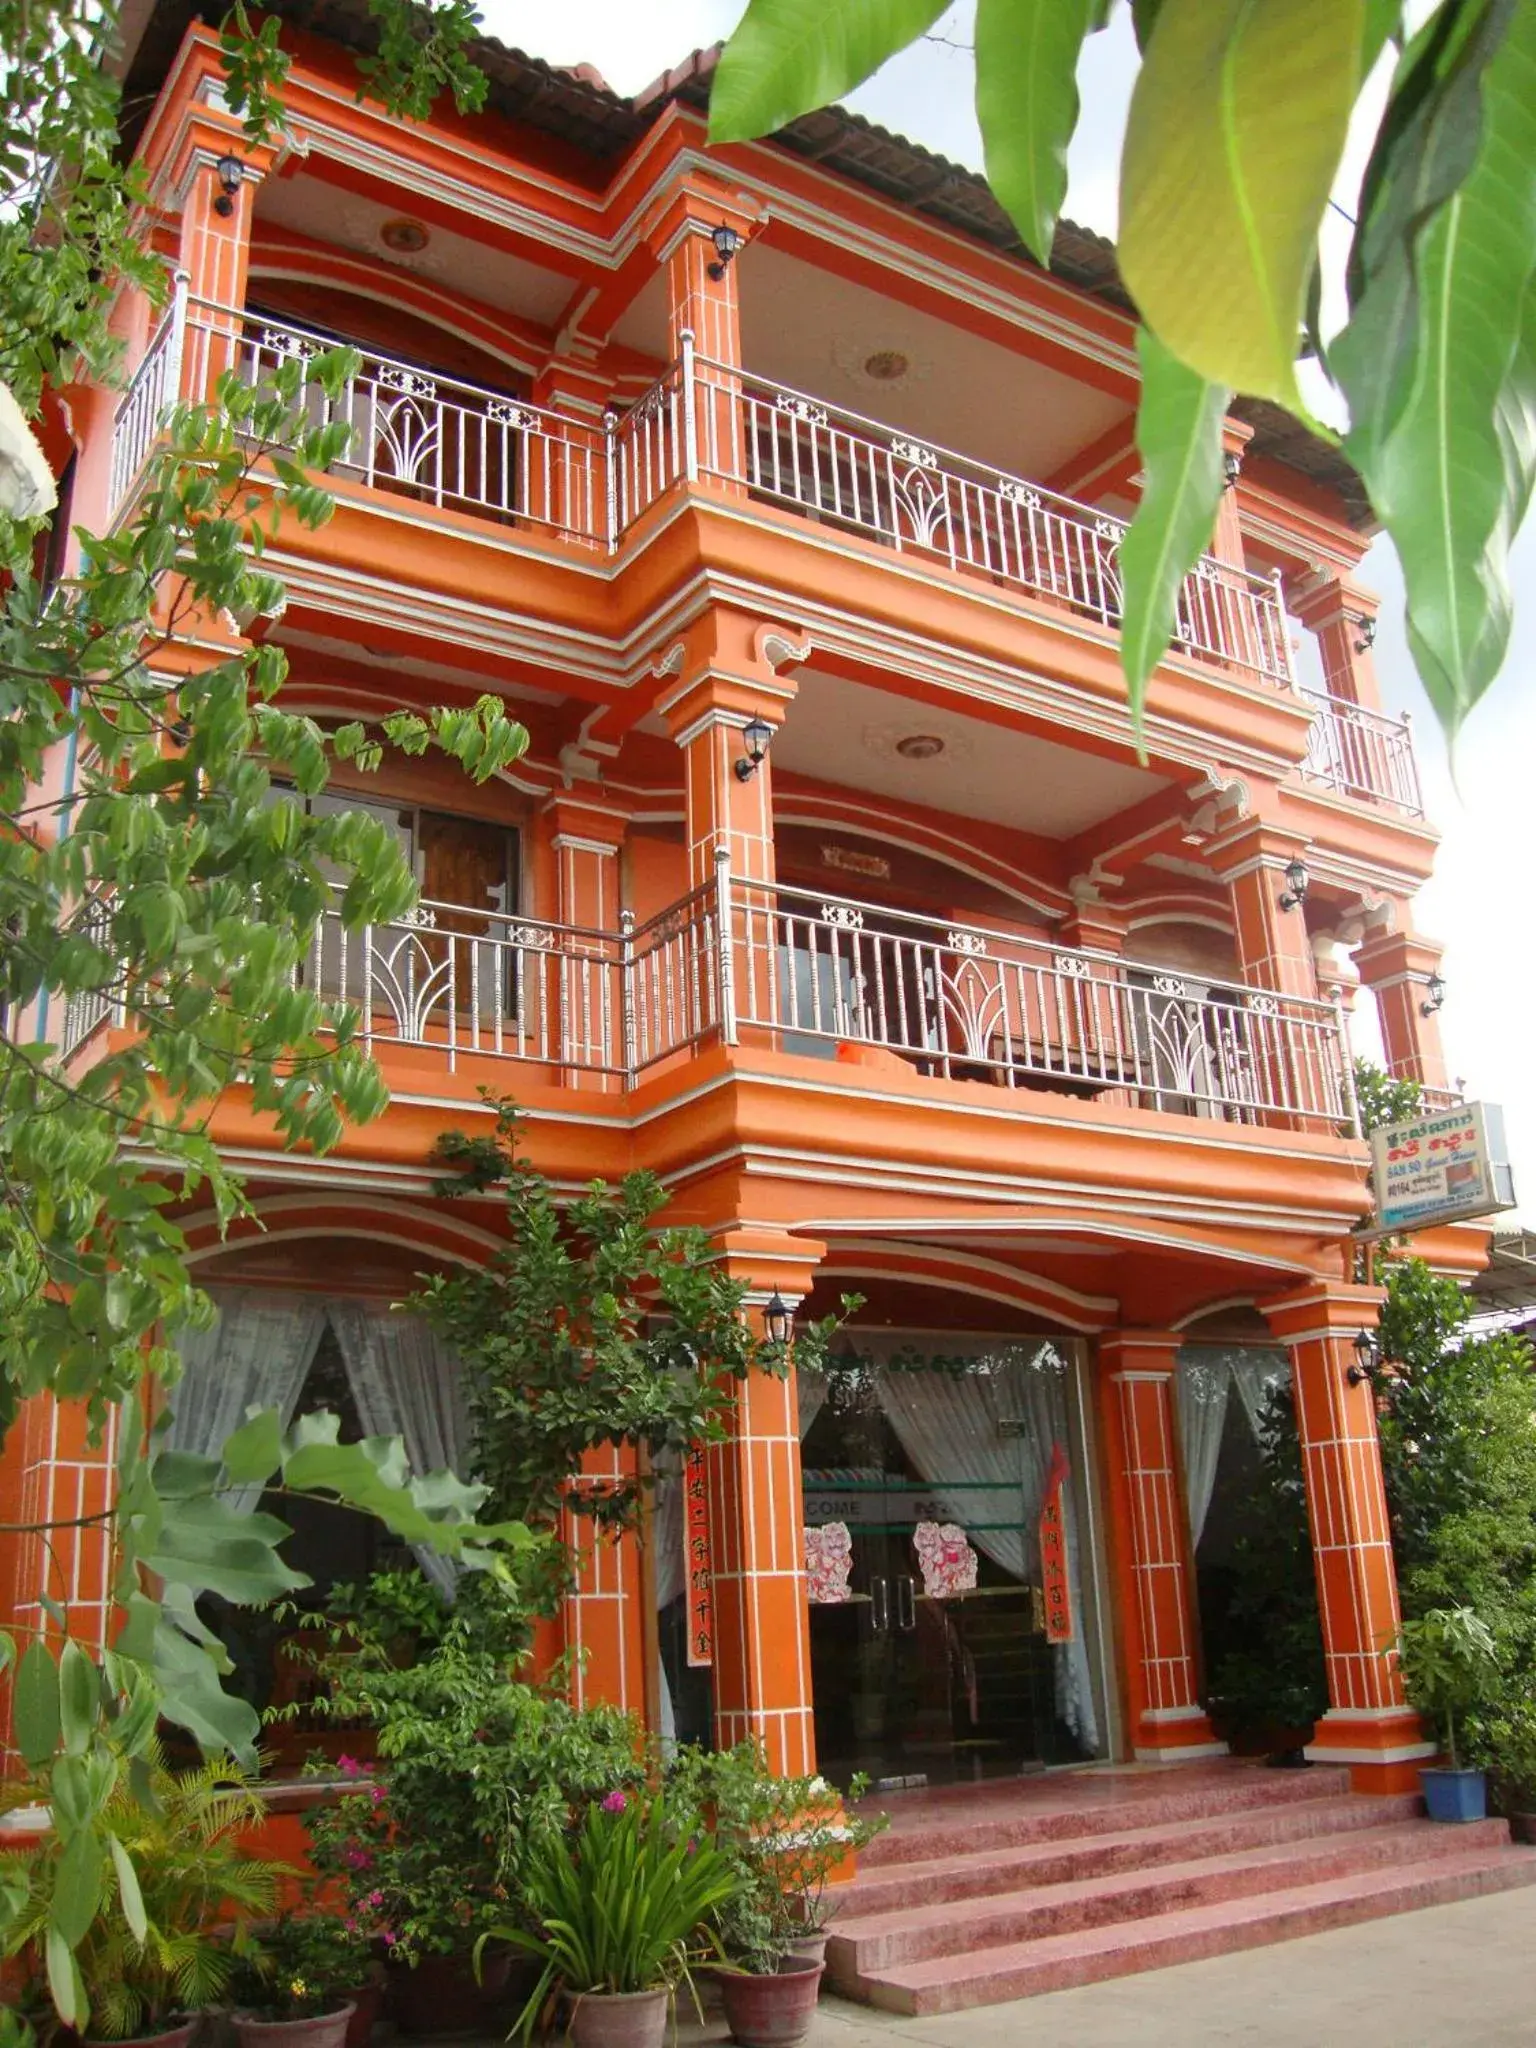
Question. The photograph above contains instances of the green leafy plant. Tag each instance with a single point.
(144, 1914)
(627, 1906)
(302, 1965)
(1449, 1663)
(1383, 1098)
(1237, 129)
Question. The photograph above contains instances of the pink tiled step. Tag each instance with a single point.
(867, 1946)
(890, 1887)
(1086, 1954)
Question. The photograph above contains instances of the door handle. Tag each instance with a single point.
(906, 1604)
(880, 1609)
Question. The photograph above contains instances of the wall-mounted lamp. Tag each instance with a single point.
(727, 242)
(1367, 1363)
(1434, 996)
(778, 1319)
(1231, 468)
(231, 175)
(1297, 882)
(756, 735)
(1367, 638)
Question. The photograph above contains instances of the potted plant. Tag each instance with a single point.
(302, 1984)
(1449, 1664)
(621, 1917)
(200, 1890)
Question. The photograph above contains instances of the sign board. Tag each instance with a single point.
(871, 1500)
(701, 1590)
(1442, 1166)
(1056, 1585)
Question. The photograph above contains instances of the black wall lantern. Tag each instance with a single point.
(1367, 638)
(756, 736)
(1367, 1358)
(1296, 882)
(727, 242)
(1434, 996)
(778, 1319)
(231, 175)
(1231, 468)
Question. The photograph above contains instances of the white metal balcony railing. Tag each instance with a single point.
(805, 974)
(1362, 753)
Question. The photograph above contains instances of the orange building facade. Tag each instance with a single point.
(832, 889)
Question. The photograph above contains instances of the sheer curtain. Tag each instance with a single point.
(406, 1383)
(995, 1423)
(810, 1397)
(257, 1355)
(1202, 1386)
(1256, 1371)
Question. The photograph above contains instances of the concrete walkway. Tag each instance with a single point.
(1461, 1976)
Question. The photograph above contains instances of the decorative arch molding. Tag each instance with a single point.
(390, 1220)
(1209, 915)
(281, 254)
(967, 1273)
(893, 828)
(1219, 1307)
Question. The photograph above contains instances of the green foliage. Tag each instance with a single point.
(624, 1907)
(1271, 1674)
(476, 1772)
(1383, 1098)
(1237, 128)
(783, 1837)
(591, 1327)
(140, 1911)
(302, 1965)
(1449, 1664)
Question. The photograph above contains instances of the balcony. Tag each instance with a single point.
(785, 970)
(1361, 753)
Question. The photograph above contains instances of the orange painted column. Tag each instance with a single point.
(1227, 537)
(604, 1614)
(704, 317)
(1272, 944)
(1150, 1541)
(762, 1671)
(1342, 617)
(1369, 1725)
(585, 837)
(1396, 967)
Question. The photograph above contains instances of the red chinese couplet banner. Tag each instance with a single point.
(701, 1602)
(1053, 1554)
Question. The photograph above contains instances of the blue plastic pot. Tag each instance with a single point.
(1455, 1795)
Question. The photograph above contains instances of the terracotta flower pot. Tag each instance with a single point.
(620, 2019)
(173, 2037)
(813, 1946)
(366, 2002)
(440, 1995)
(776, 2010)
(318, 2030)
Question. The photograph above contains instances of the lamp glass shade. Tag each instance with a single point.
(1296, 878)
(1367, 1350)
(231, 173)
(755, 735)
(726, 241)
(778, 1319)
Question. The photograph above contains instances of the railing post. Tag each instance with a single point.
(690, 416)
(1283, 638)
(725, 940)
(610, 472)
(627, 992)
(170, 391)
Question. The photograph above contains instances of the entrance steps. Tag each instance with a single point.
(983, 1893)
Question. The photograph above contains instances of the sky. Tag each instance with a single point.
(1480, 898)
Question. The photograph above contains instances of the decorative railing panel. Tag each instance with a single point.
(154, 386)
(964, 1003)
(848, 471)
(1362, 753)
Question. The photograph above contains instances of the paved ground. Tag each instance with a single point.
(1459, 1976)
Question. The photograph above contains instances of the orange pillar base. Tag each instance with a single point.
(1383, 1751)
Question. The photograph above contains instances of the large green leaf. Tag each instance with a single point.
(1026, 104)
(1237, 125)
(788, 57)
(1451, 478)
(79, 1698)
(35, 1709)
(77, 1886)
(1427, 144)
(129, 1889)
(1178, 436)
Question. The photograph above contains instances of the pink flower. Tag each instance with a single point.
(350, 1926)
(388, 1936)
(375, 1899)
(616, 1802)
(377, 1795)
(357, 1859)
(349, 1767)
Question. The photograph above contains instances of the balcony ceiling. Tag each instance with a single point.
(814, 330)
(847, 734)
(328, 212)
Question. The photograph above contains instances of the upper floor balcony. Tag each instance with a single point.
(589, 485)
(797, 972)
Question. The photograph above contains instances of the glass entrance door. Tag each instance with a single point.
(928, 1650)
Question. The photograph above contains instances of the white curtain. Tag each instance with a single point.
(406, 1383)
(996, 1422)
(1207, 1375)
(1203, 1385)
(257, 1355)
(811, 1398)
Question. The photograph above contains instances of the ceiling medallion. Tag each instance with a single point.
(404, 237)
(920, 746)
(877, 365)
(887, 366)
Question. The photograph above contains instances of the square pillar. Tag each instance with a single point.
(604, 1630)
(1342, 616)
(1273, 945)
(1150, 1531)
(589, 965)
(1396, 967)
(757, 1534)
(1369, 1725)
(704, 318)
